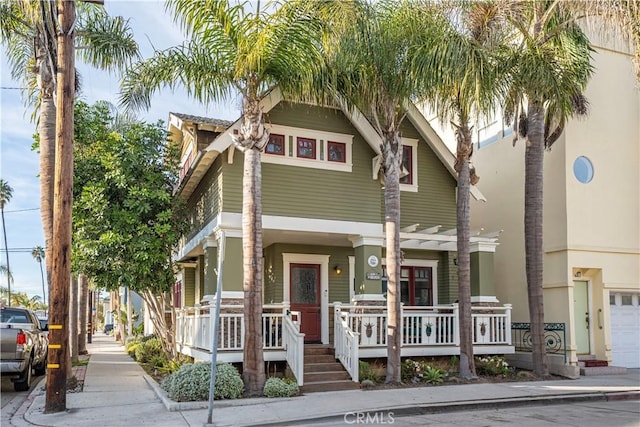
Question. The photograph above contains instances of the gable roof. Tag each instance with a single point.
(357, 119)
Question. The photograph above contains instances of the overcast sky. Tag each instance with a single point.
(19, 166)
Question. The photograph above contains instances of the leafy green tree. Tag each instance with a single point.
(126, 222)
(238, 49)
(6, 193)
(28, 30)
(550, 65)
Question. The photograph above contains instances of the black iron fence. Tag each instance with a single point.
(555, 337)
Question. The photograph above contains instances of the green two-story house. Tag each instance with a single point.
(323, 236)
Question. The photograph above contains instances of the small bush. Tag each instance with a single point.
(191, 382)
(433, 375)
(367, 372)
(171, 366)
(149, 349)
(281, 387)
(420, 371)
(131, 348)
(492, 366)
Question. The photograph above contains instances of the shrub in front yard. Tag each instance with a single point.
(281, 387)
(420, 371)
(191, 382)
(147, 350)
(492, 366)
(367, 372)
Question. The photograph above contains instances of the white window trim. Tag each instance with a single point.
(323, 260)
(413, 143)
(410, 262)
(321, 146)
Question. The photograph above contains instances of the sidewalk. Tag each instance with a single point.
(116, 393)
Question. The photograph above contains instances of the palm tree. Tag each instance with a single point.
(467, 89)
(28, 31)
(233, 49)
(551, 66)
(5, 291)
(38, 254)
(373, 70)
(6, 193)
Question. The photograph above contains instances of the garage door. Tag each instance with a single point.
(625, 325)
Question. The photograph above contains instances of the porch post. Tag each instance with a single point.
(482, 274)
(368, 270)
(210, 261)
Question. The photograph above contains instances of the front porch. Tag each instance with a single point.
(355, 332)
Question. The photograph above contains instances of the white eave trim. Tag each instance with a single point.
(435, 142)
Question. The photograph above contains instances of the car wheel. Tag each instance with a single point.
(41, 369)
(24, 383)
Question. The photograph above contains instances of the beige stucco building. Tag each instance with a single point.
(591, 217)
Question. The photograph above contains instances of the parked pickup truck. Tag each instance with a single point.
(23, 345)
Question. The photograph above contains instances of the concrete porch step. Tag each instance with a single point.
(603, 370)
(329, 386)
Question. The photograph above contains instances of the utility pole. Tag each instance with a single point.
(56, 394)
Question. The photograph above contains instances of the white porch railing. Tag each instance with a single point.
(194, 327)
(345, 343)
(280, 331)
(429, 326)
(294, 344)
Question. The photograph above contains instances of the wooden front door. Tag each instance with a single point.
(305, 298)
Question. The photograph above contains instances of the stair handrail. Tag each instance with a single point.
(293, 341)
(346, 342)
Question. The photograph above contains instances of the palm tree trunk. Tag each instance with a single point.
(393, 160)
(467, 365)
(82, 306)
(47, 134)
(533, 232)
(253, 370)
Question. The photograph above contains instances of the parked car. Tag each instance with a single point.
(108, 328)
(24, 345)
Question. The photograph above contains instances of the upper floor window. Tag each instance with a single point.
(306, 148)
(309, 148)
(407, 165)
(275, 144)
(337, 151)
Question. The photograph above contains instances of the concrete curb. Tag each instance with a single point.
(480, 404)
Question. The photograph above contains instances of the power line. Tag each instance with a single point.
(12, 88)
(22, 210)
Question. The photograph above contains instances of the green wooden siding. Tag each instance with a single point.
(274, 270)
(189, 287)
(204, 203)
(447, 278)
(306, 192)
(435, 201)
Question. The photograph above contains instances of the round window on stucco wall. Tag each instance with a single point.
(583, 169)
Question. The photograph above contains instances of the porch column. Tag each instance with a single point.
(368, 269)
(482, 275)
(210, 263)
(232, 292)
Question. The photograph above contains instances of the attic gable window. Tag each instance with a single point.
(275, 144)
(306, 148)
(309, 148)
